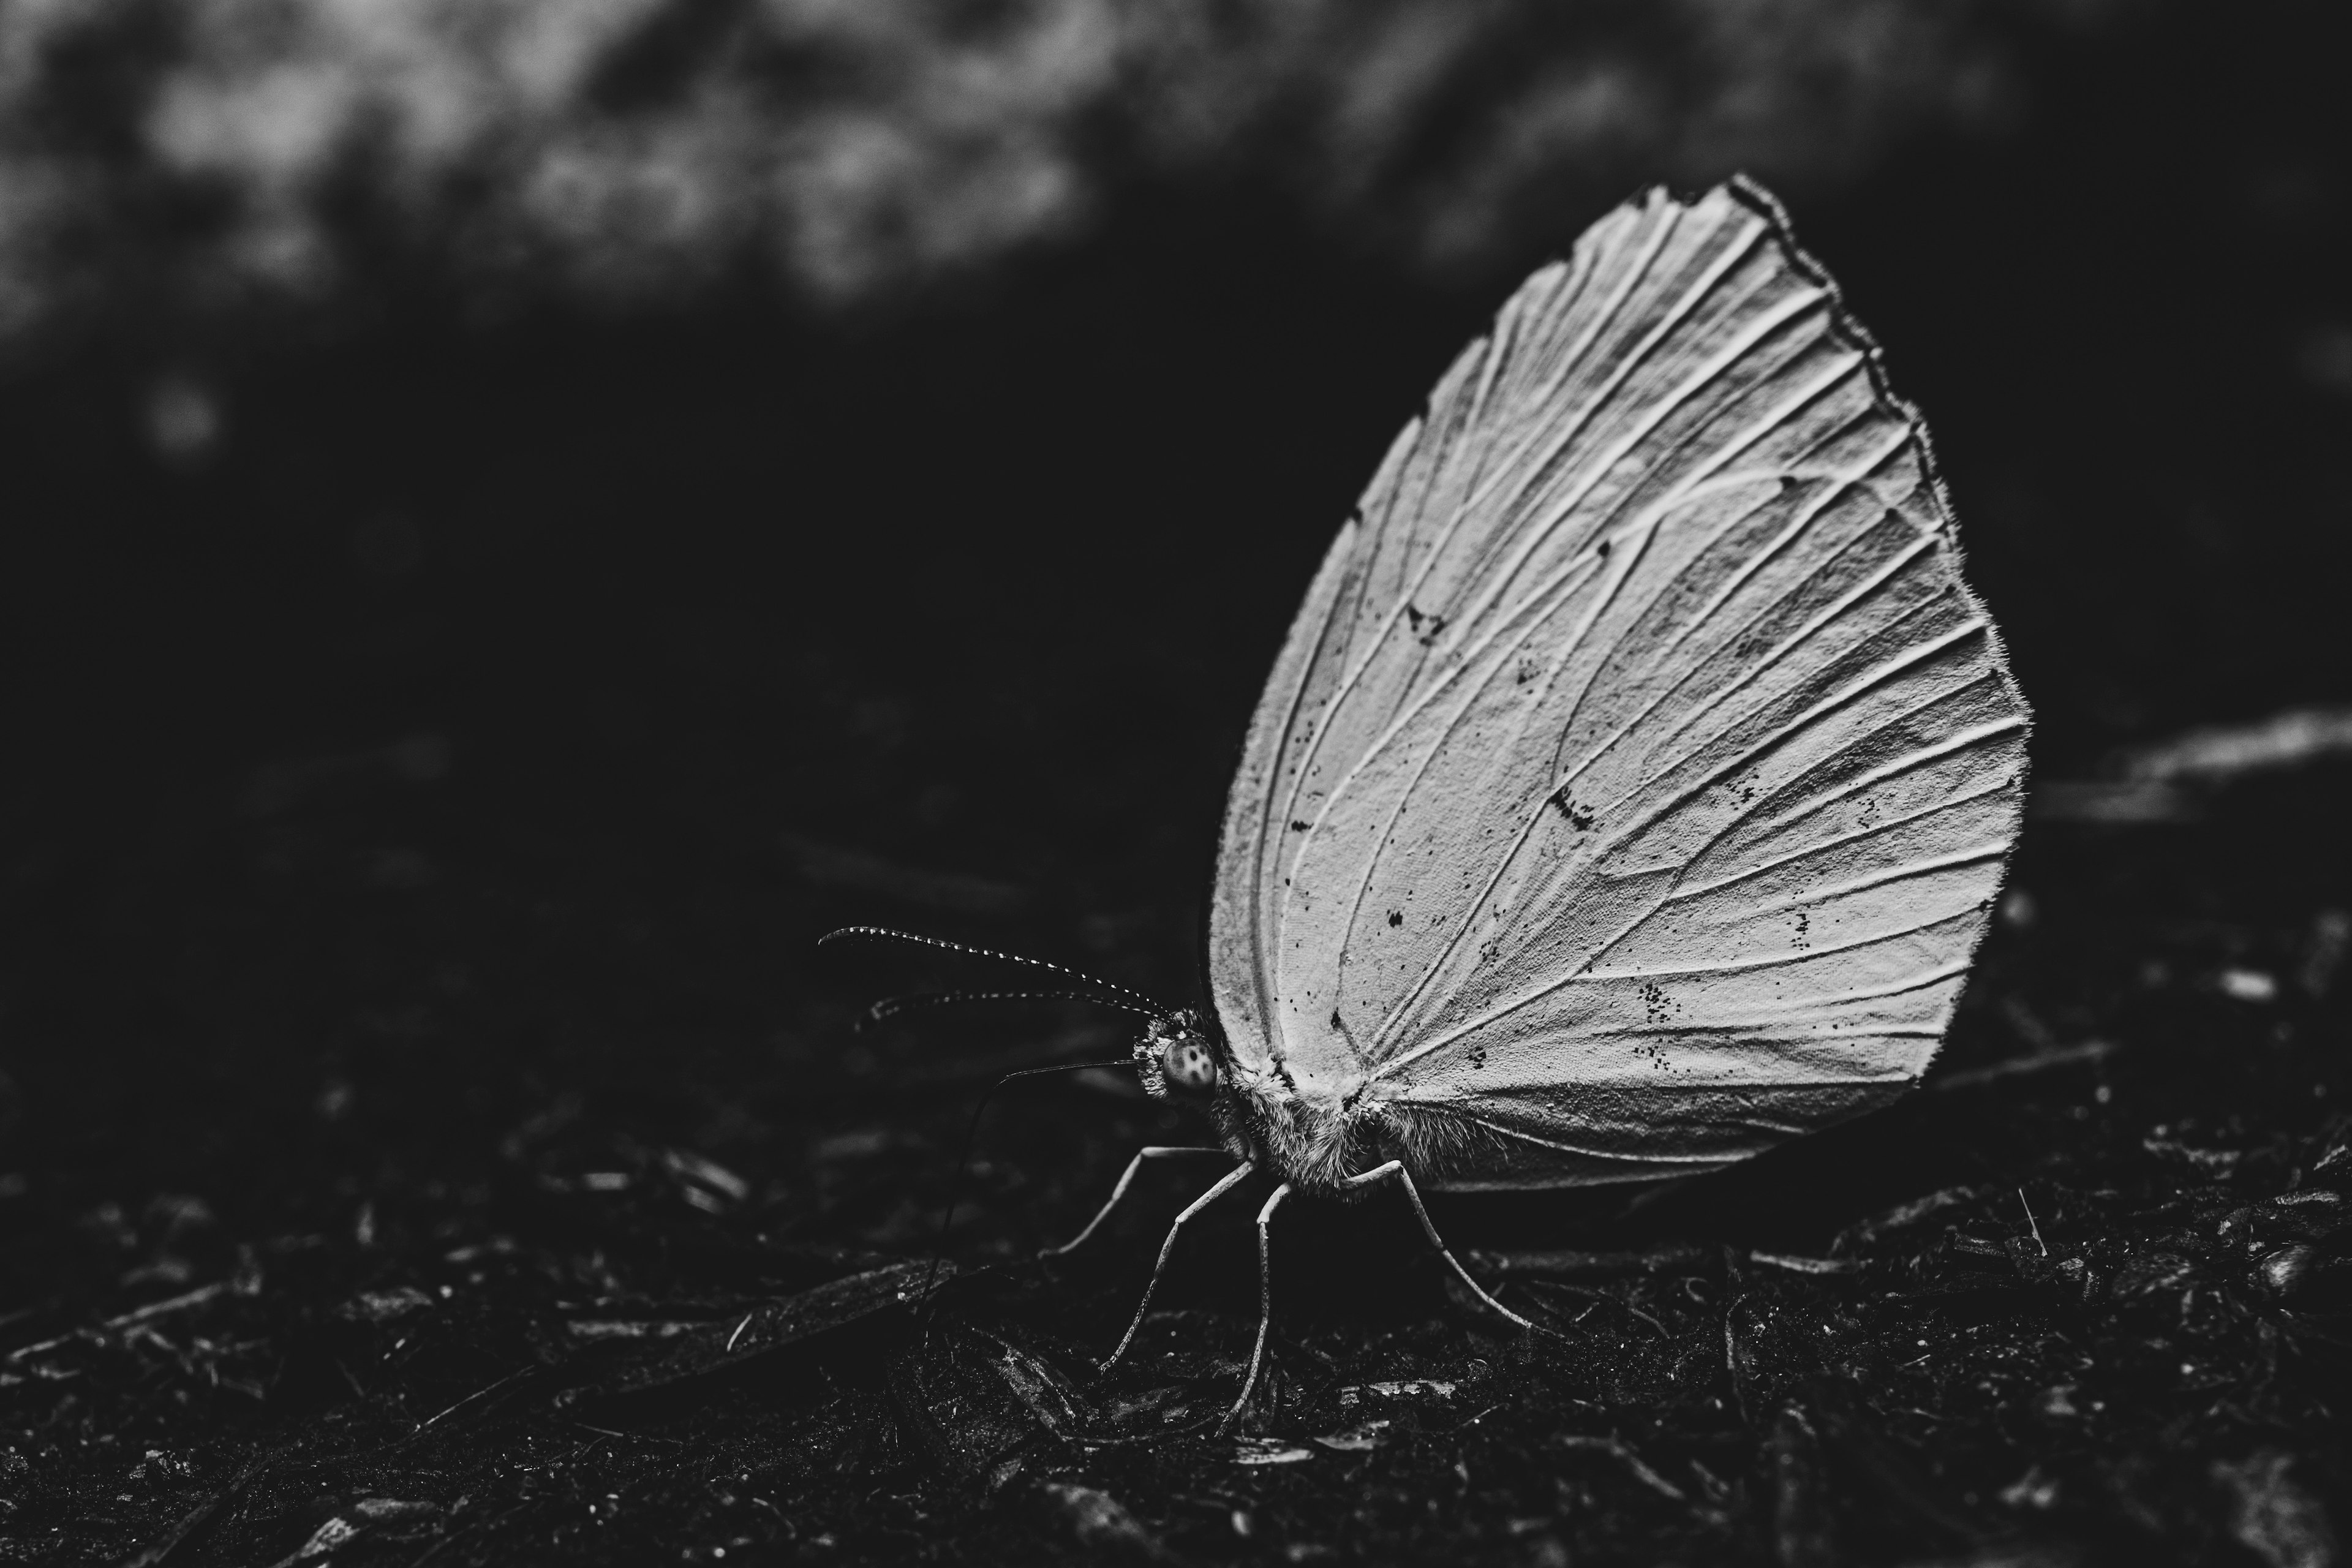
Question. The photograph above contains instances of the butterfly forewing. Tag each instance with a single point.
(1636, 776)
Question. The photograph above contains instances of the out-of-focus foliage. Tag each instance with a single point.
(201, 150)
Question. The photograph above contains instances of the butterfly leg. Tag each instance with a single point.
(1224, 1184)
(1158, 1151)
(1265, 1306)
(1394, 1171)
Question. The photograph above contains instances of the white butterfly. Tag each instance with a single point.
(1633, 786)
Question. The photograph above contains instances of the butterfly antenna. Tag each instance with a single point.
(885, 933)
(891, 1006)
(963, 1163)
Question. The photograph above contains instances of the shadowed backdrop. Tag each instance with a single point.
(519, 517)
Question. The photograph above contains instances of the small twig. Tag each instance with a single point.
(137, 1315)
(2018, 1067)
(1558, 1264)
(478, 1394)
(195, 1298)
(2030, 1222)
(1592, 1299)
(1664, 1332)
(2226, 752)
(638, 1437)
(1632, 1460)
(1796, 1265)
(39, 1346)
(641, 1436)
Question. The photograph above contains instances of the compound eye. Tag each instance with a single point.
(1190, 1067)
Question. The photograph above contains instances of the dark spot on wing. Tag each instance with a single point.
(1396, 917)
(1300, 826)
(1579, 817)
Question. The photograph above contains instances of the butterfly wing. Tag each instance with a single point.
(1632, 786)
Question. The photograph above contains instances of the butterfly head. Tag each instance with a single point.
(1178, 1058)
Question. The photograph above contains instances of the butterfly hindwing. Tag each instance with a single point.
(1633, 782)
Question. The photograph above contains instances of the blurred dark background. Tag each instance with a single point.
(518, 517)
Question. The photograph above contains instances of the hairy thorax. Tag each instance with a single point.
(1318, 1137)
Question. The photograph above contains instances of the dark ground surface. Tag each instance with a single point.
(420, 816)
